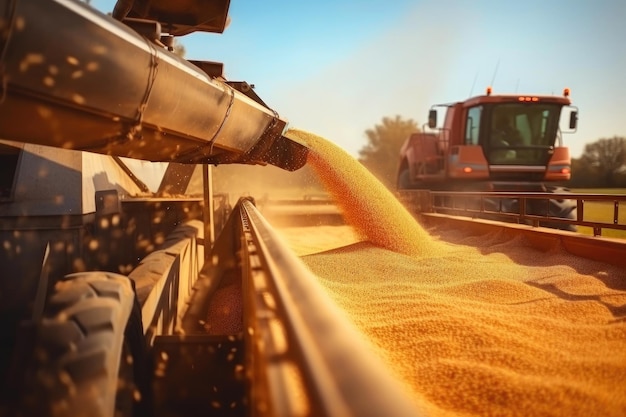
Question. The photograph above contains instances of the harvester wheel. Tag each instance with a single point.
(88, 348)
(561, 208)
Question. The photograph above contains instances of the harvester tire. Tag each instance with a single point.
(86, 350)
(561, 208)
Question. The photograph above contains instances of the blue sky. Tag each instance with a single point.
(337, 67)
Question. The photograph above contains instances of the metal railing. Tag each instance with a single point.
(297, 339)
(164, 280)
(516, 207)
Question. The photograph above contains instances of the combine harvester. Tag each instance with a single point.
(80, 91)
(496, 143)
(501, 158)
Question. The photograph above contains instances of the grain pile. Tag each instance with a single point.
(475, 325)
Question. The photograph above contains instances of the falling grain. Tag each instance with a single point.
(367, 204)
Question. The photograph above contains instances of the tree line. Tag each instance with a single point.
(602, 164)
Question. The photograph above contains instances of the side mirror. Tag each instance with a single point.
(573, 120)
(432, 118)
(569, 119)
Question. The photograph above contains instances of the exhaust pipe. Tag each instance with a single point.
(74, 78)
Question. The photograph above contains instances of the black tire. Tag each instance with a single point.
(561, 208)
(80, 349)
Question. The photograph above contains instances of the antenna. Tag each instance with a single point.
(495, 71)
(516, 86)
(474, 83)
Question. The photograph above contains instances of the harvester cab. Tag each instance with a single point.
(491, 140)
(509, 143)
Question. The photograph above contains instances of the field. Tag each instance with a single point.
(603, 212)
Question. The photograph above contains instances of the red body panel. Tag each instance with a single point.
(559, 167)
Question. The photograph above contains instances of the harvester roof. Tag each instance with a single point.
(511, 98)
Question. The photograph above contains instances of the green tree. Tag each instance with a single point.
(382, 152)
(583, 175)
(606, 158)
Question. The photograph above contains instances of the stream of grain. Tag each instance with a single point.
(473, 325)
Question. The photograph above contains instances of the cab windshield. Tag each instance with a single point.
(522, 133)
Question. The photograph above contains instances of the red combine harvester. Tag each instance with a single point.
(495, 143)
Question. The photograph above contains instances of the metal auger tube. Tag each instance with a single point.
(79, 79)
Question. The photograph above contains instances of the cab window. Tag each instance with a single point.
(472, 125)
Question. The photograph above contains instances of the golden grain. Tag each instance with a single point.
(476, 325)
